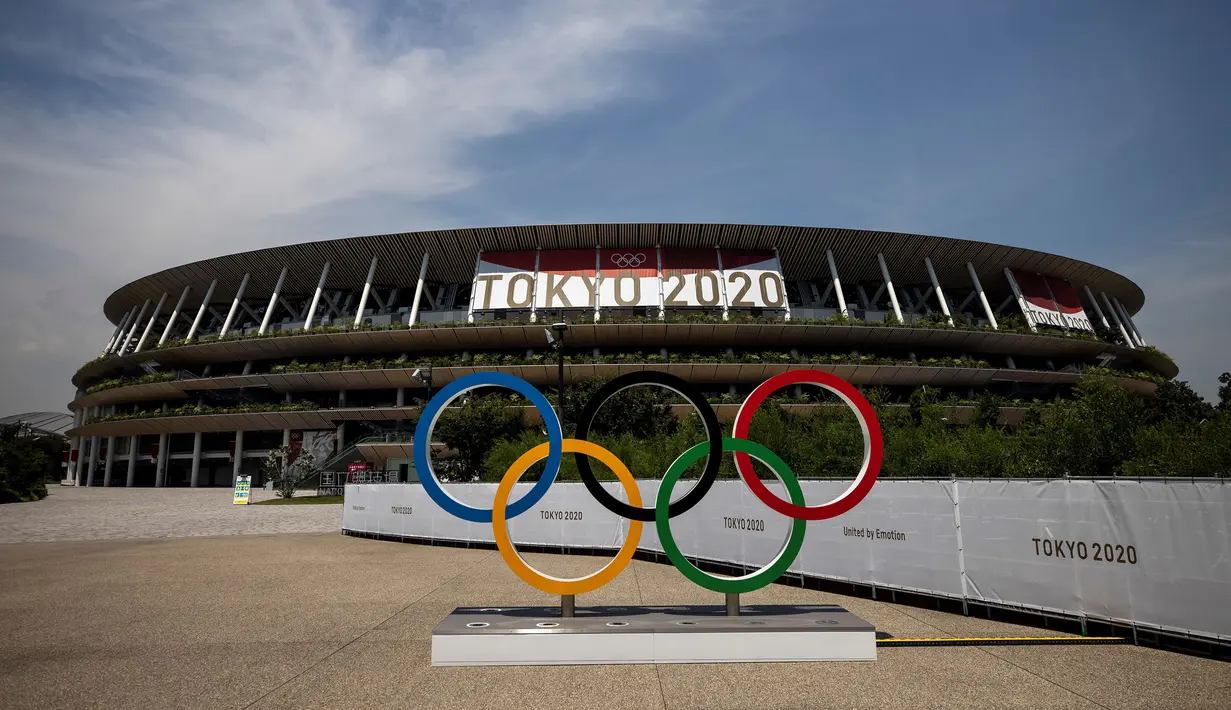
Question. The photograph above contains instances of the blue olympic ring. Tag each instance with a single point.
(427, 423)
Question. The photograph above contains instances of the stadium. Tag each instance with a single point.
(331, 346)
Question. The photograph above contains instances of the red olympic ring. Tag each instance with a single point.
(873, 448)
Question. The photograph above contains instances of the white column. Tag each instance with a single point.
(534, 286)
(132, 461)
(1021, 300)
(273, 303)
(150, 326)
(893, 295)
(238, 467)
(1129, 319)
(115, 345)
(1128, 339)
(662, 302)
(175, 313)
(89, 469)
(110, 462)
(414, 307)
(164, 455)
(722, 284)
(239, 296)
(196, 460)
(73, 466)
(786, 300)
(133, 330)
(1098, 310)
(363, 297)
(940, 295)
(115, 335)
(316, 297)
(474, 287)
(837, 283)
(987, 307)
(196, 322)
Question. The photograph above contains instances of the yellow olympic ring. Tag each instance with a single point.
(535, 578)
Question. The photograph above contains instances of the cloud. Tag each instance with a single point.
(143, 135)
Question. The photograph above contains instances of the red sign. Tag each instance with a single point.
(154, 452)
(363, 466)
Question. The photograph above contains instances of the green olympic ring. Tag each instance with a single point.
(748, 582)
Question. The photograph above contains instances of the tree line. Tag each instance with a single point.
(1100, 430)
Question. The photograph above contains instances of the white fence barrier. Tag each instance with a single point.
(1150, 553)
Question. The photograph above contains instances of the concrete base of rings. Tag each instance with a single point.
(539, 636)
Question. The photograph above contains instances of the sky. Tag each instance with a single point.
(136, 136)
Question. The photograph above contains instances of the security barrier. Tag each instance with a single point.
(1151, 554)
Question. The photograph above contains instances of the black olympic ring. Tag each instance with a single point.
(712, 429)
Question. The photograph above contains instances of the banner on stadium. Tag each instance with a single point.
(628, 278)
(1050, 301)
(1153, 553)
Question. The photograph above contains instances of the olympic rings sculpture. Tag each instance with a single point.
(664, 507)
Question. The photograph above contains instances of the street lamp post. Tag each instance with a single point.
(567, 601)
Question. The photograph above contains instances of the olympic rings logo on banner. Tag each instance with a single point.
(664, 507)
(628, 261)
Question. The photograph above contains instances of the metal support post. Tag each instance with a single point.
(238, 467)
(722, 283)
(837, 283)
(474, 287)
(732, 604)
(133, 329)
(115, 344)
(1129, 320)
(89, 469)
(150, 326)
(1128, 339)
(175, 313)
(110, 462)
(940, 295)
(987, 307)
(598, 283)
(568, 605)
(196, 322)
(534, 286)
(662, 302)
(119, 328)
(316, 298)
(1021, 300)
(195, 481)
(164, 455)
(239, 295)
(893, 295)
(786, 301)
(357, 321)
(1098, 310)
(131, 478)
(414, 306)
(273, 303)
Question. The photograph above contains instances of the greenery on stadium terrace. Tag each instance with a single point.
(505, 359)
(1102, 430)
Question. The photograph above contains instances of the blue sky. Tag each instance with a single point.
(136, 136)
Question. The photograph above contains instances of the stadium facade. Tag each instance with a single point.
(331, 346)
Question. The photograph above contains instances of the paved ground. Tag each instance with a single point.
(330, 621)
(71, 513)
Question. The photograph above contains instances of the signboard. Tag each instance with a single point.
(628, 278)
(1051, 302)
(360, 466)
(243, 485)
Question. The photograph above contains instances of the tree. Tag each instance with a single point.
(1224, 392)
(26, 460)
(287, 469)
(1176, 402)
(473, 428)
